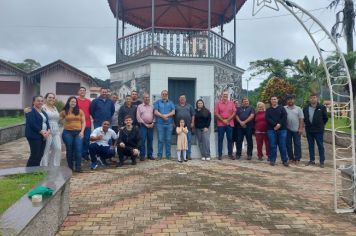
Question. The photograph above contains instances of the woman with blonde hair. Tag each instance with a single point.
(261, 130)
(53, 143)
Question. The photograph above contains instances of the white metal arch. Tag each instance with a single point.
(338, 77)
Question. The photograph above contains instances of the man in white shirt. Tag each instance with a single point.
(100, 146)
(295, 126)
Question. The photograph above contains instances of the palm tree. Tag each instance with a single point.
(347, 22)
(309, 78)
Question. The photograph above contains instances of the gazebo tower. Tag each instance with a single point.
(175, 48)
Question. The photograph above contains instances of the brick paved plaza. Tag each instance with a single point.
(199, 198)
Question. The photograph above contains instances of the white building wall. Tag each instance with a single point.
(12, 101)
(48, 83)
(204, 76)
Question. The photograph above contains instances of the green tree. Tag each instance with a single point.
(271, 67)
(102, 83)
(277, 87)
(27, 65)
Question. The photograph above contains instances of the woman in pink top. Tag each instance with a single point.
(261, 130)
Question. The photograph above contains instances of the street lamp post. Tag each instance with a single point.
(248, 80)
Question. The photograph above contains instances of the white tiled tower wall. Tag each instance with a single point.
(204, 76)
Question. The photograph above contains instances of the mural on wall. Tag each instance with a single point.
(227, 80)
(123, 88)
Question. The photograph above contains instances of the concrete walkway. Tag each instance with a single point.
(199, 198)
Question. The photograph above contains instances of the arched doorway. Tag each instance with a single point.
(338, 78)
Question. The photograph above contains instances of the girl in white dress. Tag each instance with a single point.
(53, 149)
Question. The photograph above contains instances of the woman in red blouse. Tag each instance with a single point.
(261, 130)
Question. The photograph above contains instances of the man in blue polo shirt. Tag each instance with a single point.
(102, 108)
(164, 112)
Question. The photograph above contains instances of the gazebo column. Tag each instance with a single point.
(221, 34)
(117, 31)
(235, 49)
(209, 27)
(153, 25)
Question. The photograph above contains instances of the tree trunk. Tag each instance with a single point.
(349, 22)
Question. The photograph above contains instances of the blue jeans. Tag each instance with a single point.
(279, 138)
(73, 144)
(164, 132)
(104, 152)
(146, 134)
(241, 134)
(293, 137)
(319, 138)
(189, 139)
(221, 131)
(86, 140)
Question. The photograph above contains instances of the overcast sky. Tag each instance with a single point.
(82, 32)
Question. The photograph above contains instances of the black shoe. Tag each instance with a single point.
(120, 164)
(272, 163)
(151, 158)
(180, 161)
(142, 158)
(285, 163)
(133, 162)
(189, 158)
(249, 158)
(310, 163)
(321, 165)
(185, 160)
(238, 157)
(78, 171)
(220, 158)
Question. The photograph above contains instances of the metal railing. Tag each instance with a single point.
(191, 43)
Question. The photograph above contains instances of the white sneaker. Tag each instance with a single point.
(203, 158)
(208, 159)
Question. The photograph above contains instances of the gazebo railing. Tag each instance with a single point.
(191, 43)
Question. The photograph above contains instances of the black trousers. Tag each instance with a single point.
(126, 151)
(37, 147)
(241, 134)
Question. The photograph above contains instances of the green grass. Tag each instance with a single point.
(339, 123)
(13, 187)
(8, 121)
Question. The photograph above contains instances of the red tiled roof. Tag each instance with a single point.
(175, 13)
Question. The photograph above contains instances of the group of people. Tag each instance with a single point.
(276, 127)
(94, 130)
(97, 130)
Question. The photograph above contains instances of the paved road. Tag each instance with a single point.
(199, 198)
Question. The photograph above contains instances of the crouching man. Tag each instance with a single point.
(101, 137)
(129, 142)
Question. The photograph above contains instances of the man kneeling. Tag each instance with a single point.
(128, 142)
(101, 137)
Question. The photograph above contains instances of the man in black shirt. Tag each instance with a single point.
(276, 117)
(128, 109)
(244, 117)
(129, 142)
(315, 118)
(134, 96)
